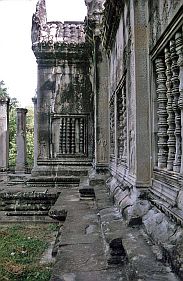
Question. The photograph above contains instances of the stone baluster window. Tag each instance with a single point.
(121, 124)
(112, 128)
(169, 81)
(73, 135)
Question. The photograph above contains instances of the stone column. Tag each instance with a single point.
(21, 140)
(4, 134)
(44, 92)
(34, 100)
(142, 131)
(101, 108)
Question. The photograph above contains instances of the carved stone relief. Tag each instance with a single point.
(122, 123)
(102, 148)
(132, 150)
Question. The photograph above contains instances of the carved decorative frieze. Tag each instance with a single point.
(162, 112)
(122, 123)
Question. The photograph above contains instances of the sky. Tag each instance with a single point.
(18, 66)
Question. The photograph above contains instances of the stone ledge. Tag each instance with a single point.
(137, 209)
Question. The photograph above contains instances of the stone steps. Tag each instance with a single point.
(95, 243)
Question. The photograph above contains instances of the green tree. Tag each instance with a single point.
(12, 123)
(12, 131)
(3, 89)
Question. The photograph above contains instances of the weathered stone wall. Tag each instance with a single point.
(165, 82)
(99, 80)
(144, 43)
(64, 95)
(161, 14)
(127, 54)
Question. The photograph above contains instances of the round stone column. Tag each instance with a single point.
(4, 134)
(21, 140)
(34, 100)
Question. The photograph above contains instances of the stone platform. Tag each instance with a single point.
(96, 245)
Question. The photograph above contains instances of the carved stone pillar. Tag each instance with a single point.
(139, 134)
(101, 108)
(179, 50)
(21, 140)
(34, 100)
(175, 91)
(4, 134)
(122, 124)
(162, 113)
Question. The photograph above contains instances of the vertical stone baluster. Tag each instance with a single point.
(112, 132)
(61, 136)
(124, 124)
(162, 113)
(120, 124)
(67, 33)
(68, 136)
(81, 137)
(85, 125)
(77, 135)
(73, 33)
(171, 115)
(73, 136)
(64, 136)
(179, 50)
(175, 91)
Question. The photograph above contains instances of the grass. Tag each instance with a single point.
(21, 247)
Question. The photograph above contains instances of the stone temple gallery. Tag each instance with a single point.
(108, 126)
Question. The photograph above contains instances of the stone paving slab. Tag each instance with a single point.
(102, 275)
(80, 257)
(84, 252)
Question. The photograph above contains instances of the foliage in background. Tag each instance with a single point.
(3, 89)
(12, 129)
(12, 132)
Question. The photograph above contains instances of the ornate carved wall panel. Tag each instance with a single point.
(112, 128)
(121, 124)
